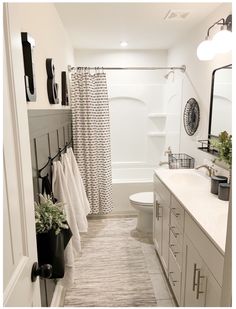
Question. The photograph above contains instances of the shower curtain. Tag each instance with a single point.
(91, 136)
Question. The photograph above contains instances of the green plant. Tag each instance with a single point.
(49, 216)
(224, 146)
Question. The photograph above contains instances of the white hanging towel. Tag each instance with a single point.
(73, 248)
(76, 198)
(79, 181)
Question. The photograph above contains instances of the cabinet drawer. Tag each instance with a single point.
(209, 253)
(176, 250)
(177, 211)
(175, 222)
(176, 234)
(174, 276)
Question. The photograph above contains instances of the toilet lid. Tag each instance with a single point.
(144, 198)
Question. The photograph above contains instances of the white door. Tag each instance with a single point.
(19, 251)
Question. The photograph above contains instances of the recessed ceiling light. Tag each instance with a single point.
(123, 44)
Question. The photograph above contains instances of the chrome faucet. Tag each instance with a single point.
(168, 151)
(163, 162)
(210, 169)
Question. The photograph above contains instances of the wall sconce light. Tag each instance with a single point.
(220, 43)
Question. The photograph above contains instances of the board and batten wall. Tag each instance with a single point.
(42, 22)
(197, 80)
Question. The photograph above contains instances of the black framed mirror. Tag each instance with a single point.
(220, 115)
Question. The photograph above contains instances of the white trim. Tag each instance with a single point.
(58, 296)
(14, 279)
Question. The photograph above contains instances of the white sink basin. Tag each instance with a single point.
(188, 179)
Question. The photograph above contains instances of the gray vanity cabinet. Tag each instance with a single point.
(192, 262)
(161, 221)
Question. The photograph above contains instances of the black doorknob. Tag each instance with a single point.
(44, 271)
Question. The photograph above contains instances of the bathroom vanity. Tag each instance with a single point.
(189, 233)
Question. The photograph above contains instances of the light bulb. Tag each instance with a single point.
(222, 41)
(205, 50)
(123, 44)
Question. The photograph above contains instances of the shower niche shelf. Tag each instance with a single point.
(157, 115)
(157, 134)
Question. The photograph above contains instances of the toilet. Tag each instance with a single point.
(143, 203)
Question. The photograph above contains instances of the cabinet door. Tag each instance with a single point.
(213, 290)
(201, 288)
(194, 287)
(161, 221)
(157, 224)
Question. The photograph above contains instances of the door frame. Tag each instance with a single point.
(18, 112)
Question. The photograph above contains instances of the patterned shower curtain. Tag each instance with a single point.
(91, 136)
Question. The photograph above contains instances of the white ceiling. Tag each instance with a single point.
(104, 25)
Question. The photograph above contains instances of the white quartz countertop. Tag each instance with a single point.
(192, 189)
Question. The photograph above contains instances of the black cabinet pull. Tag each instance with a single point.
(199, 277)
(194, 275)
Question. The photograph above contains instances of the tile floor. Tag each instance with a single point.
(118, 268)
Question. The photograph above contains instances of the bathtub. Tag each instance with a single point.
(127, 181)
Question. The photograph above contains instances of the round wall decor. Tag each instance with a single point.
(191, 116)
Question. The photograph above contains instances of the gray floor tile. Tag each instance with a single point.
(165, 303)
(160, 287)
(152, 262)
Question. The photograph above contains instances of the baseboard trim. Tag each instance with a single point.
(58, 296)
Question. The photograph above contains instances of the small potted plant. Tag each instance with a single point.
(53, 234)
(223, 144)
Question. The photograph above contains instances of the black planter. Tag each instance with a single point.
(223, 192)
(215, 181)
(51, 250)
